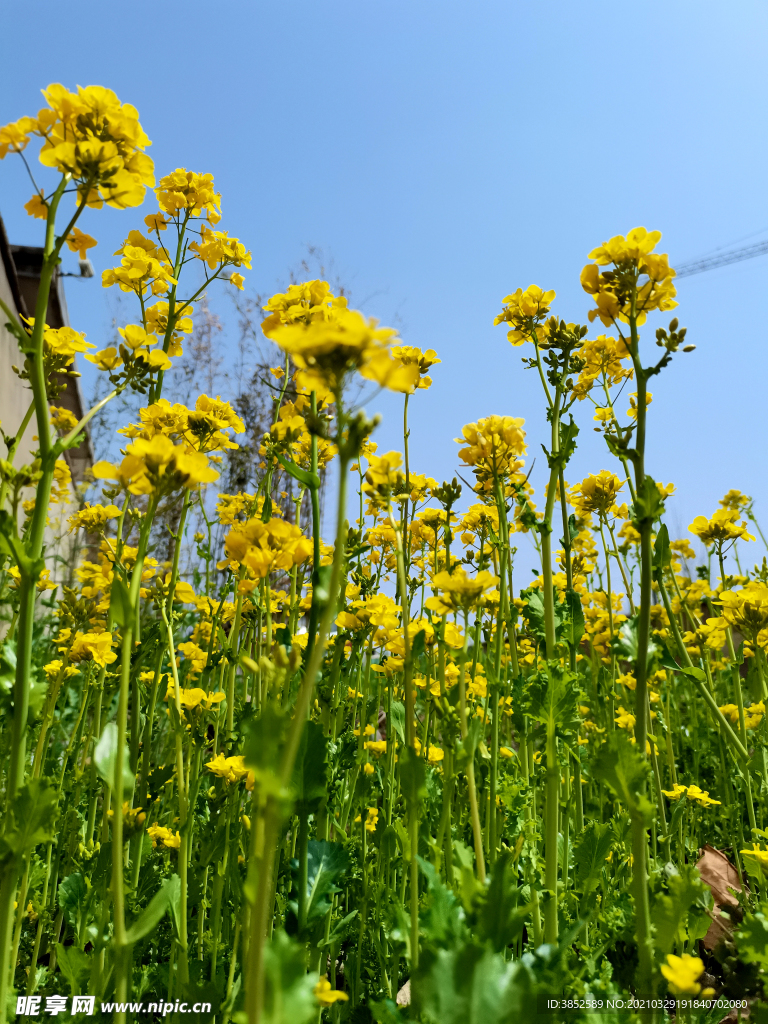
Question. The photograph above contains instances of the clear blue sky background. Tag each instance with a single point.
(445, 153)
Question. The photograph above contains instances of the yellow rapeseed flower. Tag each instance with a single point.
(641, 276)
(721, 528)
(96, 647)
(596, 494)
(92, 136)
(326, 995)
(458, 591)
(524, 311)
(79, 242)
(682, 974)
(494, 448)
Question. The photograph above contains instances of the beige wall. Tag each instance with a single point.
(15, 397)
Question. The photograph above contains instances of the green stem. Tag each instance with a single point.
(643, 935)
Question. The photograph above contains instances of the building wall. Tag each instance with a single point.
(14, 396)
(19, 279)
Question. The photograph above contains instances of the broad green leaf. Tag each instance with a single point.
(573, 627)
(31, 820)
(505, 909)
(533, 610)
(310, 773)
(670, 910)
(7, 666)
(626, 644)
(264, 738)
(72, 895)
(288, 996)
(120, 603)
(75, 965)
(166, 898)
(418, 645)
(573, 527)
(413, 776)
(554, 701)
(386, 1012)
(464, 865)
(397, 717)
(590, 848)
(340, 931)
(442, 918)
(471, 985)
(625, 771)
(327, 863)
(80, 904)
(666, 659)
(648, 502)
(304, 477)
(752, 937)
(661, 550)
(105, 756)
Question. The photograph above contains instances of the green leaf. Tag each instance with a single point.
(386, 1012)
(678, 810)
(10, 543)
(695, 673)
(264, 738)
(304, 477)
(75, 965)
(752, 938)
(397, 717)
(662, 554)
(105, 757)
(310, 773)
(31, 820)
(327, 863)
(418, 646)
(627, 644)
(464, 863)
(648, 503)
(573, 627)
(590, 848)
(505, 908)
(670, 910)
(166, 898)
(625, 771)
(288, 995)
(533, 610)
(471, 985)
(573, 527)
(340, 931)
(568, 434)
(442, 921)
(413, 776)
(554, 701)
(74, 900)
(666, 659)
(7, 666)
(321, 586)
(120, 608)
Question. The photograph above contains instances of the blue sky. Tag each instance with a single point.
(444, 154)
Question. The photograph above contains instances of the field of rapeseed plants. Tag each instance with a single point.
(370, 779)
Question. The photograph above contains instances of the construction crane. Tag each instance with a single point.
(722, 259)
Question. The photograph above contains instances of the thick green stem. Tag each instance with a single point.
(263, 861)
(643, 935)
